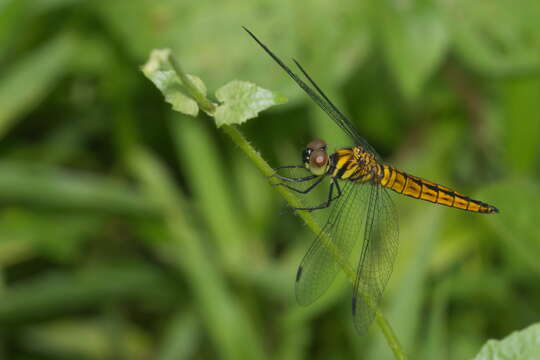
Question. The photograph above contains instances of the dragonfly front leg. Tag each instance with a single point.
(290, 167)
(327, 203)
(308, 189)
(291, 179)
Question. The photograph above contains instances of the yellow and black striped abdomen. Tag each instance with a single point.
(422, 189)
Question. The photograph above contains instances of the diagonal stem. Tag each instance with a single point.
(238, 138)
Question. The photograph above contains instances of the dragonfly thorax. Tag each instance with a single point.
(355, 164)
(315, 157)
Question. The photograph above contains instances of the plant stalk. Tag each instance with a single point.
(238, 138)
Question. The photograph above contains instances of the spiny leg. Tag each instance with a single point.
(301, 179)
(290, 167)
(291, 179)
(327, 202)
(311, 187)
(287, 167)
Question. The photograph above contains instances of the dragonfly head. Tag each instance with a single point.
(315, 157)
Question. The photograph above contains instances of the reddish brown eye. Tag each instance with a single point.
(317, 144)
(318, 158)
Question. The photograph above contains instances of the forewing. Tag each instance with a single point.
(379, 252)
(323, 101)
(342, 229)
(335, 114)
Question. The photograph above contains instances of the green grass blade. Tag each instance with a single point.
(28, 81)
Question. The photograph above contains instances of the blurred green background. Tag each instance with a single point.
(128, 231)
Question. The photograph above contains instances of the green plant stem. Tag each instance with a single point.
(294, 202)
(200, 98)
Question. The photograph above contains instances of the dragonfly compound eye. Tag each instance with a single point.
(318, 158)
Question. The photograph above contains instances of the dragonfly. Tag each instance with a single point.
(359, 206)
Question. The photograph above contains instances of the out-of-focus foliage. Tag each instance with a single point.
(129, 231)
(519, 345)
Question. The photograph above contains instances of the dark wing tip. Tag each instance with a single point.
(299, 273)
(252, 35)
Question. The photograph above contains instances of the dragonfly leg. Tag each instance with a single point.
(285, 178)
(286, 167)
(290, 167)
(327, 203)
(305, 191)
(301, 179)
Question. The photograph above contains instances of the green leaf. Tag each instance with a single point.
(57, 236)
(27, 82)
(41, 7)
(242, 100)
(414, 41)
(516, 225)
(186, 250)
(13, 17)
(79, 338)
(496, 36)
(145, 24)
(158, 70)
(181, 337)
(436, 335)
(521, 124)
(52, 188)
(217, 207)
(520, 345)
(55, 293)
(406, 305)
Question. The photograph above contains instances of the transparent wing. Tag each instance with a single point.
(323, 101)
(379, 252)
(343, 228)
(335, 114)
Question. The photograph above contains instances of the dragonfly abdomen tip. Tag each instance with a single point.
(493, 209)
